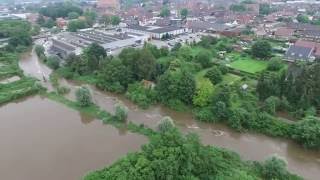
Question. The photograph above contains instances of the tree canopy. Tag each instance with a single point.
(169, 155)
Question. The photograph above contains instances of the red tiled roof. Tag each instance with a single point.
(284, 32)
(307, 44)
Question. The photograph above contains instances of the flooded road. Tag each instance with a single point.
(41, 139)
(249, 145)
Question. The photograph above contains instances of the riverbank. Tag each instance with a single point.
(249, 146)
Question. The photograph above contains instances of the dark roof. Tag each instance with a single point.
(299, 53)
(207, 26)
(62, 45)
(155, 30)
(313, 33)
(137, 27)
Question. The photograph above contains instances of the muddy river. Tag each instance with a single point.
(250, 146)
(41, 139)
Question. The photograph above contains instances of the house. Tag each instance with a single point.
(311, 35)
(303, 50)
(299, 53)
(284, 33)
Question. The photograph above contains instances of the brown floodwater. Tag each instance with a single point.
(41, 139)
(249, 145)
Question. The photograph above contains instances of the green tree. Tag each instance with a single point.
(214, 75)
(83, 97)
(166, 124)
(264, 9)
(275, 168)
(74, 25)
(185, 53)
(50, 23)
(90, 16)
(271, 104)
(239, 119)
(141, 95)
(261, 49)
(307, 132)
(275, 64)
(115, 20)
(95, 54)
(203, 93)
(121, 113)
(73, 15)
(114, 76)
(176, 85)
(237, 8)
(203, 58)
(39, 49)
(303, 18)
(184, 13)
(53, 62)
(165, 12)
(106, 20)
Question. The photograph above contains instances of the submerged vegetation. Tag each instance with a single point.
(19, 34)
(244, 90)
(170, 155)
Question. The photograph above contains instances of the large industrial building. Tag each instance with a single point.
(155, 32)
(66, 43)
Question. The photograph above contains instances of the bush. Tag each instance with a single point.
(272, 104)
(203, 58)
(53, 62)
(66, 72)
(121, 113)
(63, 90)
(176, 105)
(223, 69)
(307, 132)
(39, 50)
(220, 111)
(214, 75)
(140, 95)
(239, 119)
(275, 64)
(204, 114)
(83, 97)
(275, 168)
(165, 124)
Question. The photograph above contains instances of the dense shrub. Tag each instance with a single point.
(214, 75)
(204, 114)
(307, 132)
(83, 97)
(275, 64)
(275, 168)
(140, 95)
(165, 124)
(170, 155)
(53, 62)
(121, 113)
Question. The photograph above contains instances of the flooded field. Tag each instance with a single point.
(41, 139)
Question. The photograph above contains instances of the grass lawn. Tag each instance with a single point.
(230, 78)
(250, 65)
